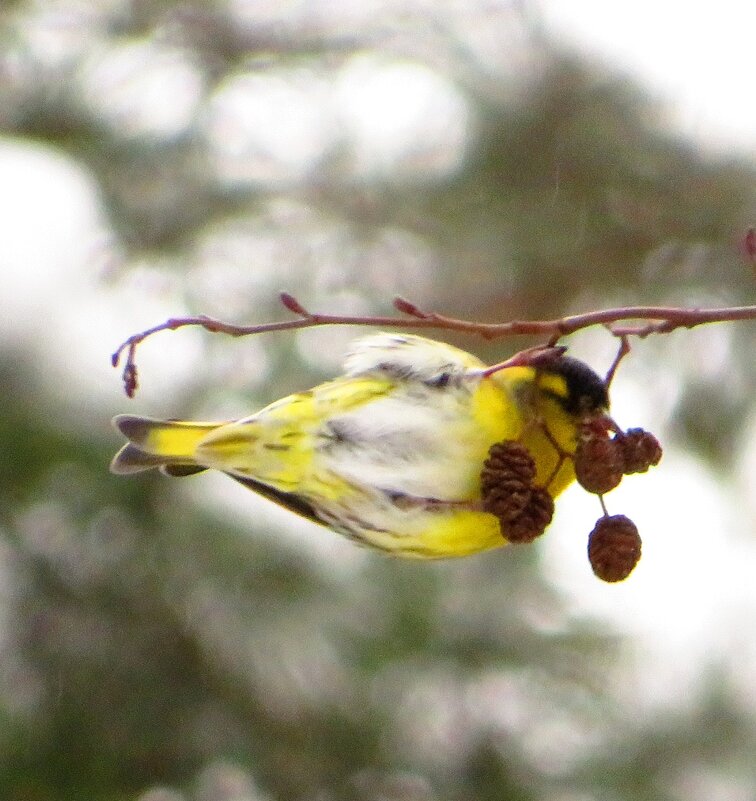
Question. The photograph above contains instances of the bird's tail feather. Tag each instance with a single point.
(167, 444)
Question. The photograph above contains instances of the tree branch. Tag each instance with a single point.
(622, 322)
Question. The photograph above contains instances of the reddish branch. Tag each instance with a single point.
(622, 322)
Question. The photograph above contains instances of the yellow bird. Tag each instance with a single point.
(391, 452)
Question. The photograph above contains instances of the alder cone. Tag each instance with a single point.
(507, 500)
(510, 458)
(523, 510)
(506, 480)
(641, 450)
(614, 548)
(533, 519)
(599, 464)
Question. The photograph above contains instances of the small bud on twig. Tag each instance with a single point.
(130, 379)
(293, 305)
(749, 247)
(406, 307)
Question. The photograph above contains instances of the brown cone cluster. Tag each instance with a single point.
(604, 454)
(601, 461)
(614, 547)
(508, 492)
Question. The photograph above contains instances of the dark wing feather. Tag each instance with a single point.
(294, 503)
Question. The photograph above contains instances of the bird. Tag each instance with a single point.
(390, 453)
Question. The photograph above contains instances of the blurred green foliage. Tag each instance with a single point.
(155, 649)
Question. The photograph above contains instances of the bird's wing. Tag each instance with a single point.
(277, 445)
(288, 500)
(408, 357)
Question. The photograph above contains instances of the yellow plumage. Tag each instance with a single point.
(389, 454)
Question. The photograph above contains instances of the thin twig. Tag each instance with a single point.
(622, 351)
(661, 319)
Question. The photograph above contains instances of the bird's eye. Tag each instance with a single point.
(440, 380)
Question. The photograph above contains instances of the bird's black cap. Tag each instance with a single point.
(586, 391)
